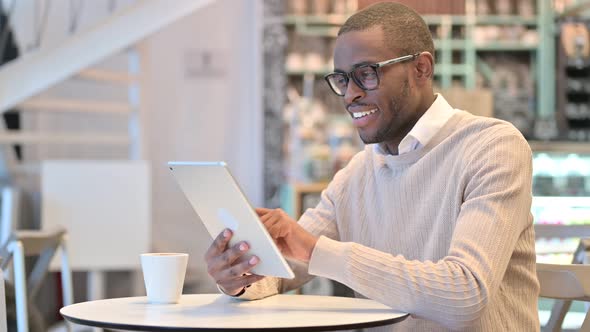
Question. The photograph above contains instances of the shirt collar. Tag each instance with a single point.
(429, 124)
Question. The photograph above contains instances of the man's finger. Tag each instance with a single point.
(271, 223)
(275, 231)
(227, 258)
(219, 244)
(262, 211)
(265, 217)
(239, 270)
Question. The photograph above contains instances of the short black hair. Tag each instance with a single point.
(404, 30)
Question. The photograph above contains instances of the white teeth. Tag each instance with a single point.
(357, 115)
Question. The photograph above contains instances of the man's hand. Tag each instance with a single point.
(228, 266)
(293, 241)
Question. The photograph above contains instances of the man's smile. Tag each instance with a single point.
(363, 115)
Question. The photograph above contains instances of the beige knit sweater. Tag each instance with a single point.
(444, 232)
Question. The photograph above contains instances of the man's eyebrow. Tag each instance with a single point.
(356, 65)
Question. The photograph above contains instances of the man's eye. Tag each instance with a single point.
(366, 74)
(341, 80)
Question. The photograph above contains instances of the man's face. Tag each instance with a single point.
(384, 114)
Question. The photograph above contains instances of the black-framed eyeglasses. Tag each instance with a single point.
(365, 76)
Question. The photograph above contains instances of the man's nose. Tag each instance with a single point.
(353, 92)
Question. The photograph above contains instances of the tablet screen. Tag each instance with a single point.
(220, 203)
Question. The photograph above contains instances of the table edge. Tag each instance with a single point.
(147, 328)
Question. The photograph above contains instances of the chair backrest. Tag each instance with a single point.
(569, 282)
(42, 243)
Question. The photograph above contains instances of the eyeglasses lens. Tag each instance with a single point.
(366, 76)
(338, 83)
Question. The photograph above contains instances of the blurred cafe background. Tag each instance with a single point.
(97, 95)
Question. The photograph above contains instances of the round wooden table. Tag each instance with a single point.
(215, 312)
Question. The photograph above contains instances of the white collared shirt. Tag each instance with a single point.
(427, 126)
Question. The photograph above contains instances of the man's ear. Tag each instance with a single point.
(424, 66)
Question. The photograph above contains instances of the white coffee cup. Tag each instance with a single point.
(163, 274)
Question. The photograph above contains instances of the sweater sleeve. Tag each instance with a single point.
(453, 291)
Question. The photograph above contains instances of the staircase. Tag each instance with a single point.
(111, 128)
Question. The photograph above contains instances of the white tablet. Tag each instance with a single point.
(219, 202)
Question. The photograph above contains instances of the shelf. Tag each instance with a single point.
(505, 20)
(460, 44)
(578, 92)
(560, 146)
(554, 252)
(562, 201)
(455, 44)
(337, 19)
(562, 231)
(455, 69)
(505, 46)
(315, 72)
(481, 20)
(318, 31)
(440, 19)
(578, 64)
(332, 19)
(575, 10)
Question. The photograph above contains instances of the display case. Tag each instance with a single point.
(561, 200)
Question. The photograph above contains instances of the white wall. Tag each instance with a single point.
(195, 113)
